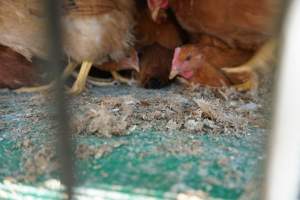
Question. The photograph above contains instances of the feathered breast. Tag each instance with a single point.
(97, 29)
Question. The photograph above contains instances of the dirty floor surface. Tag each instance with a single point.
(134, 143)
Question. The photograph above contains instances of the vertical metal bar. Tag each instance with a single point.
(283, 169)
(53, 9)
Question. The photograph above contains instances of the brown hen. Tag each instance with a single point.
(241, 24)
(94, 31)
(155, 43)
(97, 32)
(200, 63)
(147, 32)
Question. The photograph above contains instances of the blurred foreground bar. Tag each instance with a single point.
(55, 66)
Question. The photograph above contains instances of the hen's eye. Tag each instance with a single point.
(188, 58)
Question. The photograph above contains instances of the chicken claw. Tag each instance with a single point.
(67, 72)
(101, 82)
(80, 82)
(251, 83)
(260, 62)
(121, 79)
(42, 88)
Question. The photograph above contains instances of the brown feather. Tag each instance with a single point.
(22, 27)
(155, 66)
(98, 31)
(147, 32)
(15, 70)
(240, 23)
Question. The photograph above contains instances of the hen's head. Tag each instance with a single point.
(131, 61)
(185, 61)
(156, 6)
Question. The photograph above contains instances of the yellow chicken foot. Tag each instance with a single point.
(250, 84)
(69, 69)
(260, 62)
(116, 76)
(80, 82)
(34, 89)
(97, 81)
(101, 82)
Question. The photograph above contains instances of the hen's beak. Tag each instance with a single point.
(136, 67)
(173, 74)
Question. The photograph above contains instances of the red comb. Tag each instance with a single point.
(164, 4)
(158, 3)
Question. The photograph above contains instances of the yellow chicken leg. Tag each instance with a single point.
(261, 61)
(67, 72)
(35, 88)
(251, 83)
(121, 79)
(80, 82)
(101, 81)
(97, 81)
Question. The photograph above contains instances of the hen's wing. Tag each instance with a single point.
(22, 27)
(242, 23)
(21, 74)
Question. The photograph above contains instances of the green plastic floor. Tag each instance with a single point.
(148, 165)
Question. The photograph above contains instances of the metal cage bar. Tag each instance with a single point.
(53, 8)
